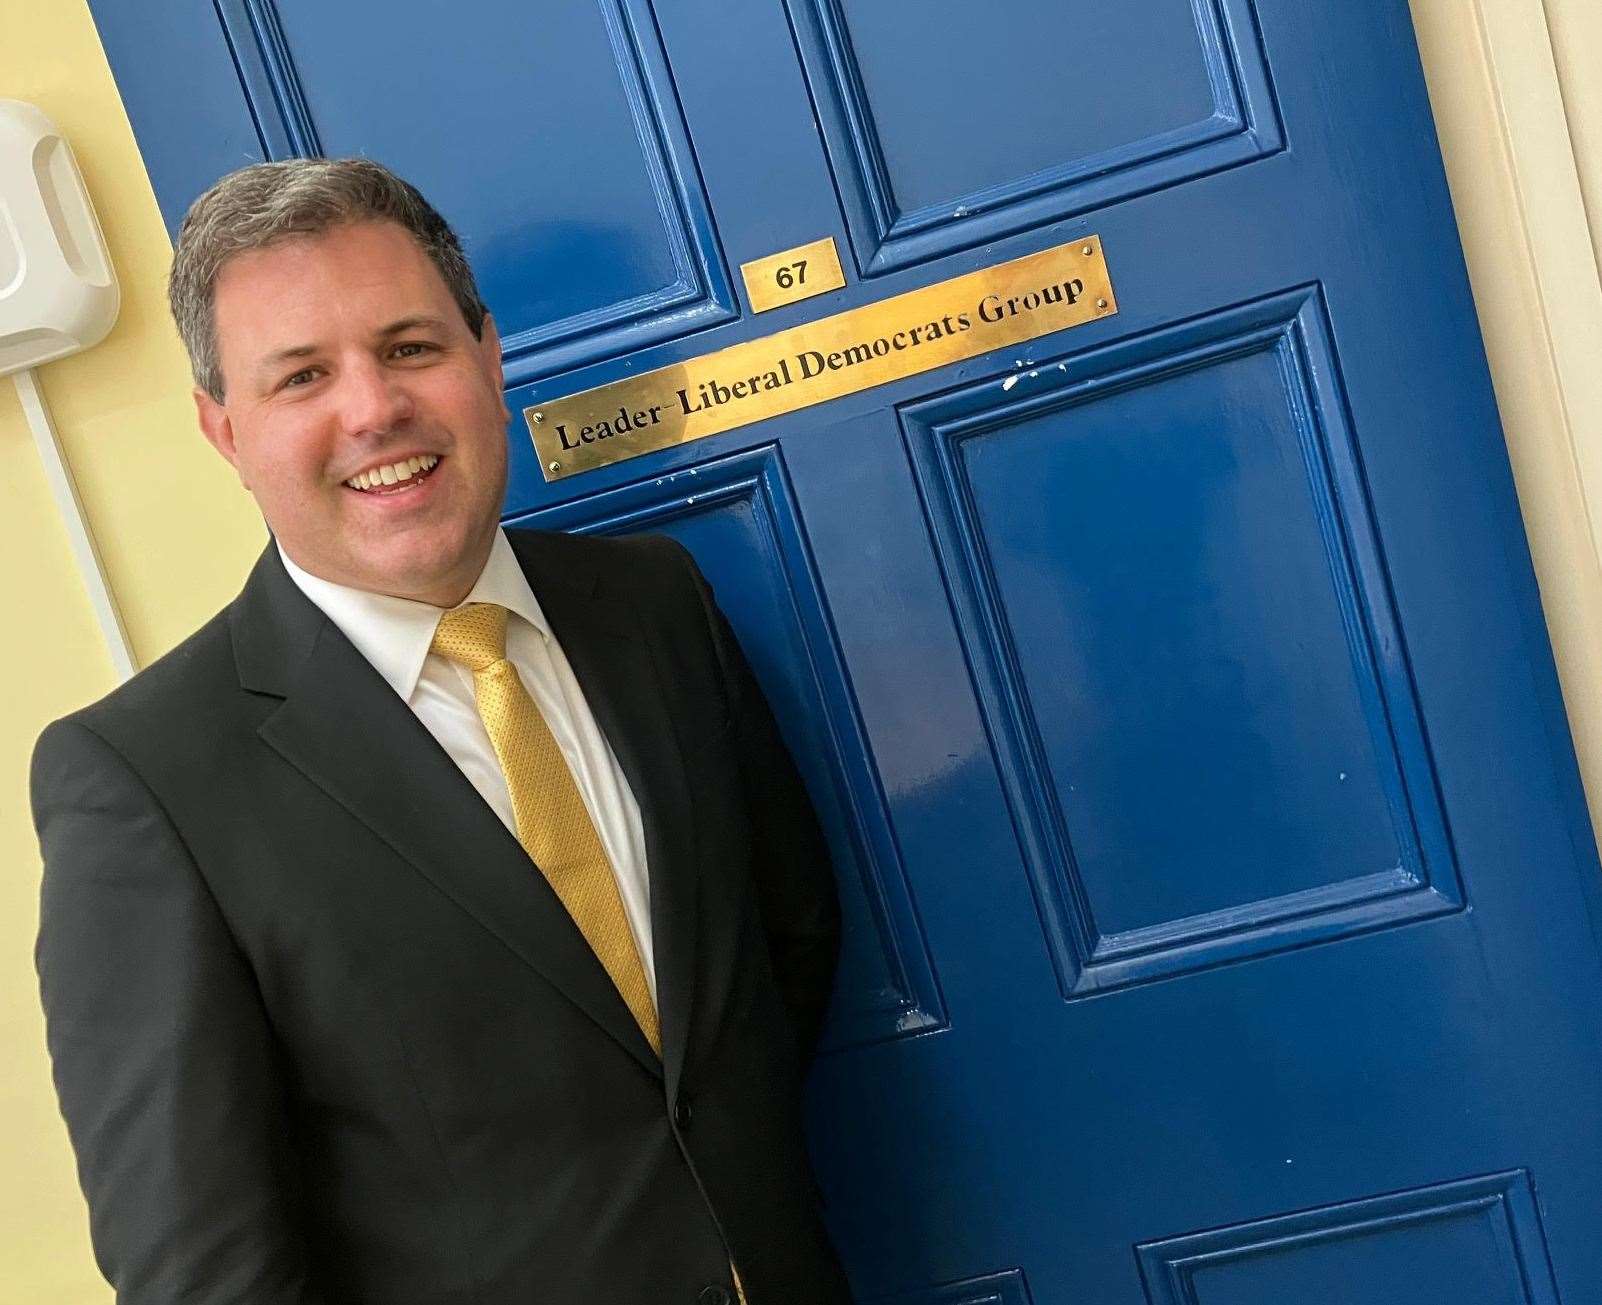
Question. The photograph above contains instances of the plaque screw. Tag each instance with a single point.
(1101, 303)
(538, 418)
(1086, 251)
(554, 466)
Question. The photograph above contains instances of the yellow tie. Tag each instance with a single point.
(553, 824)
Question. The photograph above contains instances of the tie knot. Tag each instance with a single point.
(474, 635)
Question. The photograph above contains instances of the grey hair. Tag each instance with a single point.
(265, 203)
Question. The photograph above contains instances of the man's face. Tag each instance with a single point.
(344, 353)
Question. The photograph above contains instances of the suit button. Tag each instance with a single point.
(681, 1119)
(716, 1295)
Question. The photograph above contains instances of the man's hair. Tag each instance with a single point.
(266, 203)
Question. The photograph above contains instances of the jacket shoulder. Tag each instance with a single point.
(181, 686)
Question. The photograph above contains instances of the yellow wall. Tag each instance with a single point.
(177, 534)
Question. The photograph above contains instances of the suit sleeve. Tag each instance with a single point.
(163, 1059)
(795, 882)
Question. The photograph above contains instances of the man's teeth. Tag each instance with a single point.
(392, 473)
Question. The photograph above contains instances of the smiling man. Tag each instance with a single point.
(354, 367)
(444, 921)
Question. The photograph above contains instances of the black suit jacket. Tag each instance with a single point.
(321, 1031)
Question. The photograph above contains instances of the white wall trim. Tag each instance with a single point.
(1540, 149)
(1517, 181)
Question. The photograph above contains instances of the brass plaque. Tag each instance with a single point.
(817, 361)
(797, 273)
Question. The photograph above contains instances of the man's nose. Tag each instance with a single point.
(372, 399)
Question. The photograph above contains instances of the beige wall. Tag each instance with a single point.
(1518, 97)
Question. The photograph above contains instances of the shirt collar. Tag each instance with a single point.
(393, 633)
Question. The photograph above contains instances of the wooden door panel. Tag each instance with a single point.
(1014, 114)
(1171, 589)
(578, 262)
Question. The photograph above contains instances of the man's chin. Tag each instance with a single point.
(424, 570)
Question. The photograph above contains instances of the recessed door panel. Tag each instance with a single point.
(1018, 113)
(576, 260)
(1181, 626)
(1476, 1242)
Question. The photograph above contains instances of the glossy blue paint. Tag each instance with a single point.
(1173, 538)
(889, 121)
(1477, 1240)
(1222, 909)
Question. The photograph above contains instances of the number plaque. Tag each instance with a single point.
(794, 274)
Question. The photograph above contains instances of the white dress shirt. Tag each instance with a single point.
(394, 634)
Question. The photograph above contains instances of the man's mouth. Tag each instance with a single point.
(394, 477)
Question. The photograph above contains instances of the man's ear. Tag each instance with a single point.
(489, 343)
(217, 428)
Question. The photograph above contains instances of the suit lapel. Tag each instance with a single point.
(611, 654)
(345, 729)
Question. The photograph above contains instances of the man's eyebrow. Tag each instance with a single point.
(271, 362)
(418, 321)
(413, 323)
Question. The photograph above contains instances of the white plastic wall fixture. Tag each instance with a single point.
(58, 293)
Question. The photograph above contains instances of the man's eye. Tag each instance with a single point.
(412, 349)
(303, 377)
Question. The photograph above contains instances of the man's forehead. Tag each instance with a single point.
(370, 241)
(369, 275)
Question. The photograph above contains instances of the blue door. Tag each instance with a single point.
(1222, 910)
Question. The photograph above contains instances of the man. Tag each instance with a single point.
(444, 921)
